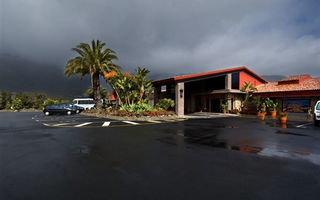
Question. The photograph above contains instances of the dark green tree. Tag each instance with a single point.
(93, 60)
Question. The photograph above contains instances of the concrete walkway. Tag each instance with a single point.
(207, 115)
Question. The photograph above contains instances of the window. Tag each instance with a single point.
(318, 106)
(163, 88)
(296, 105)
(235, 80)
(85, 102)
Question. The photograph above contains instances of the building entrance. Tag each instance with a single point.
(215, 105)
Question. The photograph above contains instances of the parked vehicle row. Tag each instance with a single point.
(62, 108)
(78, 105)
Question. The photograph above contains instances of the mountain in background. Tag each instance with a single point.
(22, 75)
(273, 78)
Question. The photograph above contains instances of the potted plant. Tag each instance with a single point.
(261, 116)
(283, 117)
(224, 107)
(263, 109)
(272, 107)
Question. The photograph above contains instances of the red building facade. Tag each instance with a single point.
(207, 91)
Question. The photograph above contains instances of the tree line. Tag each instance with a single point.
(21, 100)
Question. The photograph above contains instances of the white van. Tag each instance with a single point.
(86, 103)
(316, 115)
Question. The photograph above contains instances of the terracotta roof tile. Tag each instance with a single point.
(309, 84)
(296, 77)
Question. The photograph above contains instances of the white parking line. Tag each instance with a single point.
(302, 125)
(84, 124)
(152, 121)
(106, 124)
(60, 124)
(129, 122)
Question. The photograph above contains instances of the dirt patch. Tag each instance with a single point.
(130, 118)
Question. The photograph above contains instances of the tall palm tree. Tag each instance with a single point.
(92, 60)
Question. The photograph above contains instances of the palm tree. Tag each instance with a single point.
(144, 85)
(103, 92)
(248, 88)
(92, 60)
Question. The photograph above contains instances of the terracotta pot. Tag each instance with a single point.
(261, 116)
(264, 113)
(273, 114)
(224, 112)
(283, 120)
(258, 113)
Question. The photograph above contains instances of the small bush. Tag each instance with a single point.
(136, 108)
(16, 104)
(165, 104)
(50, 101)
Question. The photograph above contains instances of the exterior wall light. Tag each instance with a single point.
(181, 93)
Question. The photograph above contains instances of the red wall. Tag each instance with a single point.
(244, 77)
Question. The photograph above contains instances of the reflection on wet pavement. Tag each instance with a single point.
(262, 143)
(284, 132)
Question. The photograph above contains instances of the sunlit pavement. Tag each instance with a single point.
(219, 158)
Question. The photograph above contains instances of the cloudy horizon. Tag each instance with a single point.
(170, 37)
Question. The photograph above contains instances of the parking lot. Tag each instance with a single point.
(82, 121)
(218, 158)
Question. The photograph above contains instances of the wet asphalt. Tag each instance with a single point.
(222, 158)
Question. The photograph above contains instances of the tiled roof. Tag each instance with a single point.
(296, 77)
(308, 84)
(211, 73)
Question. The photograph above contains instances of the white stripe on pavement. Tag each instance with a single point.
(84, 124)
(152, 121)
(301, 125)
(60, 124)
(129, 122)
(106, 124)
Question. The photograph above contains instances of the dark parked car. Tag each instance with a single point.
(62, 108)
(78, 109)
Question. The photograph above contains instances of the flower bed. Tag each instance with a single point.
(125, 115)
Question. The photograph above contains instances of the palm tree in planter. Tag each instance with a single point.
(93, 60)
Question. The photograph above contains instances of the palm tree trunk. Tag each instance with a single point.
(96, 89)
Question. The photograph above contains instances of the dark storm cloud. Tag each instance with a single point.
(169, 36)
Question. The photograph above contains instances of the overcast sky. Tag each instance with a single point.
(169, 37)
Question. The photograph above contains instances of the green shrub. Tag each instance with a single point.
(136, 108)
(8, 106)
(16, 104)
(165, 104)
(50, 101)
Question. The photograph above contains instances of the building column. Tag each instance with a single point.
(228, 82)
(180, 99)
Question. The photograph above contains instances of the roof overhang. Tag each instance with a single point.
(288, 94)
(199, 76)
